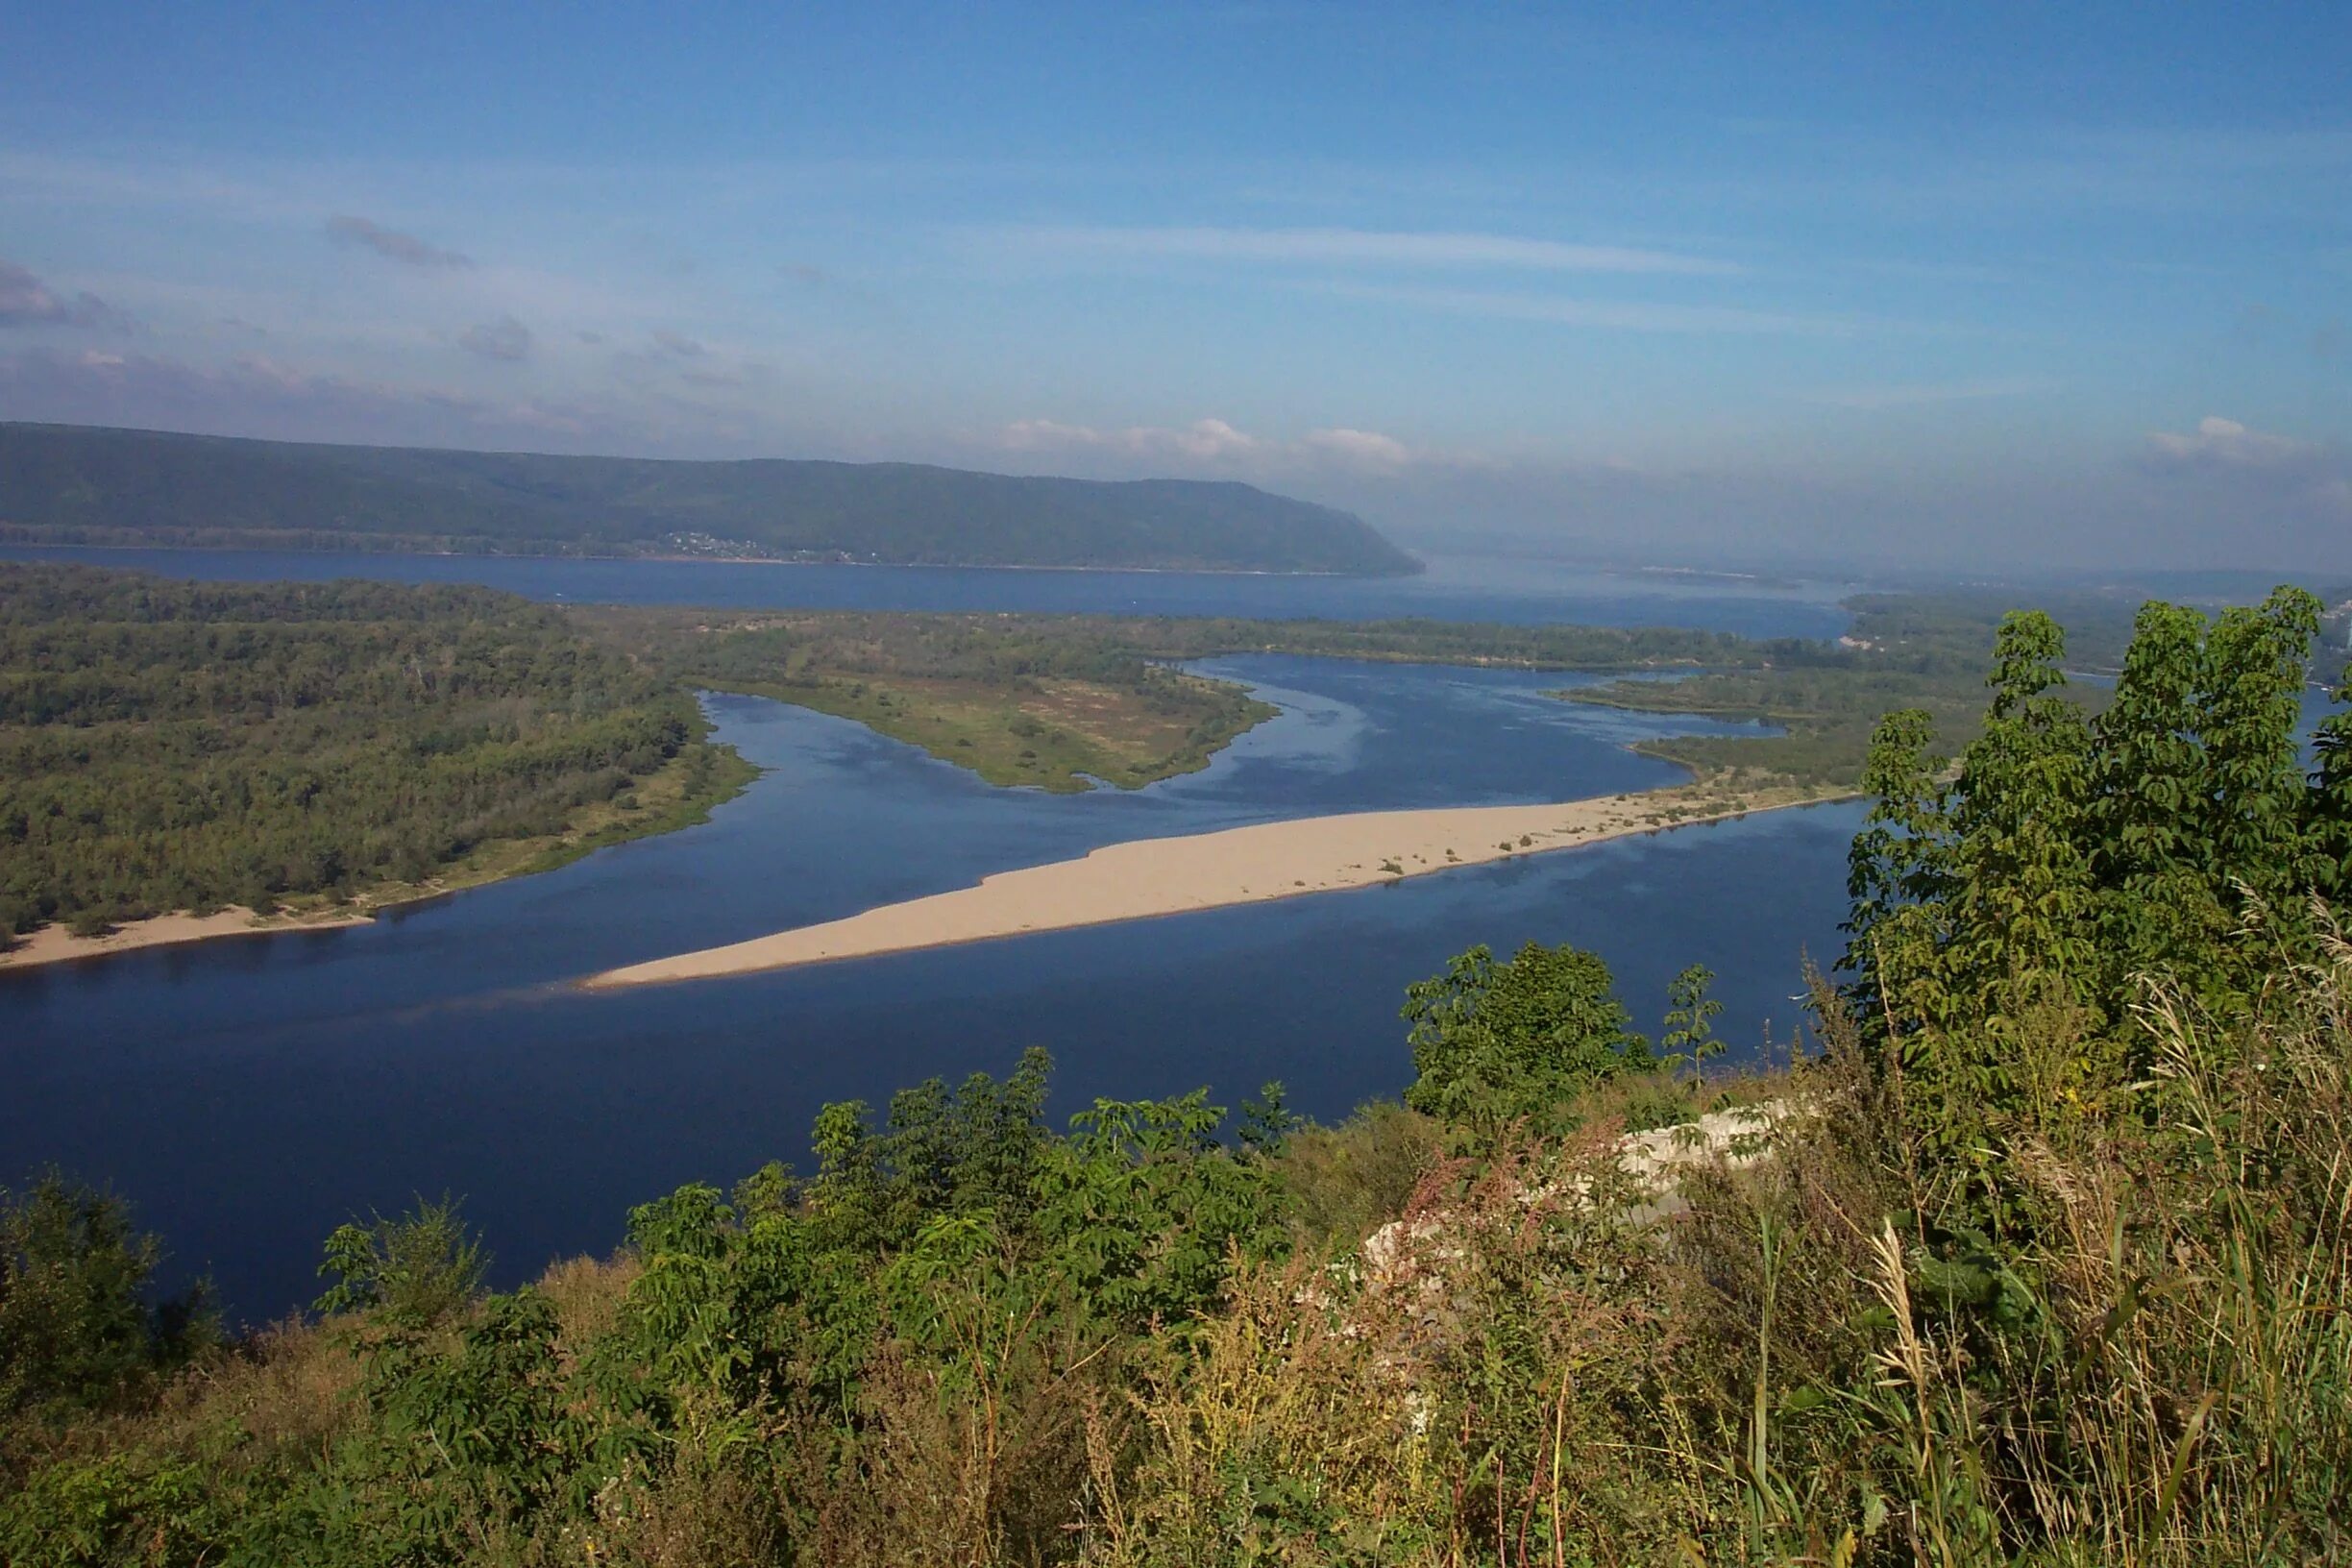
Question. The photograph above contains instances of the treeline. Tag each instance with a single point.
(168, 745)
(2038, 1255)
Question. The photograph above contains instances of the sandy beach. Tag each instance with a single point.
(55, 944)
(1148, 877)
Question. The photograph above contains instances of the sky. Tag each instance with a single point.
(1980, 286)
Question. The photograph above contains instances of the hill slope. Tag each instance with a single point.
(65, 484)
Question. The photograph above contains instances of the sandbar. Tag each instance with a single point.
(56, 945)
(1147, 877)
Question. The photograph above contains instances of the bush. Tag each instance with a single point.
(411, 1272)
(77, 1327)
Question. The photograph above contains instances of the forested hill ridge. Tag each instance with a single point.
(75, 485)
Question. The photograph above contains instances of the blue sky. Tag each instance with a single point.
(1969, 285)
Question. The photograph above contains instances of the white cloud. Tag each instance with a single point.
(1213, 442)
(1204, 440)
(1369, 448)
(1366, 248)
(2224, 459)
(2225, 443)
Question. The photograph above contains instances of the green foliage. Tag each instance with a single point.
(168, 745)
(77, 1329)
(1690, 1017)
(411, 1272)
(1498, 1044)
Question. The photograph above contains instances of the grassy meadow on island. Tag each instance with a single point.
(2031, 1249)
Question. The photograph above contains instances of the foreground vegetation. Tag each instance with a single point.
(2035, 1253)
(170, 745)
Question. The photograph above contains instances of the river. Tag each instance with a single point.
(249, 1095)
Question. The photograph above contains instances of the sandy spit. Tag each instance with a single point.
(55, 944)
(1147, 877)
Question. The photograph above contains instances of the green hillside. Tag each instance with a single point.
(71, 484)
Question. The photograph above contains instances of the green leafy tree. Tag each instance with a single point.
(2022, 886)
(2252, 816)
(1494, 1044)
(77, 1326)
(1690, 1016)
(1899, 876)
(2148, 789)
(412, 1271)
(2328, 804)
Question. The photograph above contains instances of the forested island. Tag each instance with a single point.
(2033, 1249)
(65, 484)
(173, 745)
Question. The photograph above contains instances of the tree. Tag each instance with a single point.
(1494, 1044)
(76, 1326)
(1898, 876)
(1690, 1016)
(2251, 818)
(2149, 785)
(2022, 884)
(413, 1271)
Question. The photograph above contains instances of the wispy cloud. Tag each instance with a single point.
(1362, 248)
(391, 244)
(1873, 398)
(25, 301)
(254, 395)
(679, 344)
(1615, 315)
(504, 340)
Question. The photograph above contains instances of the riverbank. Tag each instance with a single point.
(56, 945)
(1148, 877)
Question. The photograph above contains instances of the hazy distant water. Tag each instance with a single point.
(1453, 589)
(249, 1095)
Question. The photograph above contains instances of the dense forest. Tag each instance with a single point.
(72, 484)
(171, 745)
(2034, 1251)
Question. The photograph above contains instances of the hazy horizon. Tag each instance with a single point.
(1940, 291)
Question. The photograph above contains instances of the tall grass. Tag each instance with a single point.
(1839, 1356)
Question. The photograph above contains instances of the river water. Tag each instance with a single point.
(248, 1095)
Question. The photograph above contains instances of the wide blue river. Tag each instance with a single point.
(249, 1095)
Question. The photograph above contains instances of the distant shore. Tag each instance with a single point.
(360, 546)
(1149, 877)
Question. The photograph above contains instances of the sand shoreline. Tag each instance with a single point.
(1145, 878)
(56, 945)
